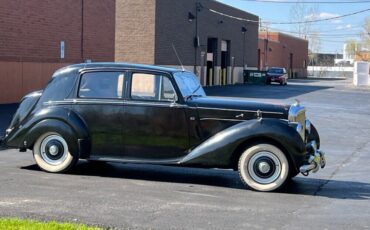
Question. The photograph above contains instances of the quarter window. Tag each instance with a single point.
(106, 85)
(152, 87)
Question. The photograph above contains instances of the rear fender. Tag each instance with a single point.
(218, 150)
(53, 119)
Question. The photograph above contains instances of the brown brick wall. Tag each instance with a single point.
(30, 35)
(99, 29)
(280, 46)
(32, 30)
(135, 31)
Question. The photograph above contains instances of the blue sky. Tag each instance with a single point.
(332, 33)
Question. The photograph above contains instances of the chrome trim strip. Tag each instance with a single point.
(135, 161)
(220, 119)
(240, 110)
(170, 105)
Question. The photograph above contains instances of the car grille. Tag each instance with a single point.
(297, 114)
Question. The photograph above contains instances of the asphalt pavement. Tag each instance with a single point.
(158, 197)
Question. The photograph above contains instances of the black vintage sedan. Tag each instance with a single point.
(127, 113)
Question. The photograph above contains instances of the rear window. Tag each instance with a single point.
(102, 85)
(58, 89)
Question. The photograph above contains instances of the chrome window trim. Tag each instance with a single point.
(118, 102)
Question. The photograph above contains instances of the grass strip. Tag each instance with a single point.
(19, 224)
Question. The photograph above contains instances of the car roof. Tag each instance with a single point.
(113, 65)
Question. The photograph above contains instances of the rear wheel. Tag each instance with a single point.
(52, 154)
(264, 167)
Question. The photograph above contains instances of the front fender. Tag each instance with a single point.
(51, 119)
(218, 150)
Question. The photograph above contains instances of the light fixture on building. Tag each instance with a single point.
(191, 17)
(244, 32)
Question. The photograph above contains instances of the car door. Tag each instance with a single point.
(99, 102)
(154, 124)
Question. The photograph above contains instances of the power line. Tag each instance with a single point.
(319, 34)
(308, 2)
(287, 23)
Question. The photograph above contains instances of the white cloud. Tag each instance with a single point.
(323, 15)
(348, 26)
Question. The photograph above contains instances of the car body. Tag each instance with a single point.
(277, 75)
(117, 112)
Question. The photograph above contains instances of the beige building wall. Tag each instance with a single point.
(135, 31)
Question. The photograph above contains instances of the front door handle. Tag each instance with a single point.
(240, 115)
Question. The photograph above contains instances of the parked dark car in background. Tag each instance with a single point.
(278, 75)
(129, 113)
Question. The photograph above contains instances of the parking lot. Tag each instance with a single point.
(159, 197)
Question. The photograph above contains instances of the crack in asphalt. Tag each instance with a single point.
(340, 166)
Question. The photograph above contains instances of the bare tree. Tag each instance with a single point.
(351, 48)
(365, 36)
(300, 12)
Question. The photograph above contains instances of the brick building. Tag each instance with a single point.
(32, 33)
(277, 49)
(215, 46)
(40, 36)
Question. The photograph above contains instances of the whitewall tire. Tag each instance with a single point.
(52, 154)
(264, 167)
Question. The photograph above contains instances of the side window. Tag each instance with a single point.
(106, 85)
(152, 87)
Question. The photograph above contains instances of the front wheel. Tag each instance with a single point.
(52, 154)
(264, 167)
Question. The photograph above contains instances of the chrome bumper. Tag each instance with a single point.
(315, 161)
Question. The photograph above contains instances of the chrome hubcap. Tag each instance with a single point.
(264, 167)
(53, 150)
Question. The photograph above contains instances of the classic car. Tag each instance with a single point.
(278, 75)
(117, 112)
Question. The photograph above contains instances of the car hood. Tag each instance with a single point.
(231, 107)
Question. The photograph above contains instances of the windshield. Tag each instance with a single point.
(276, 70)
(189, 84)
